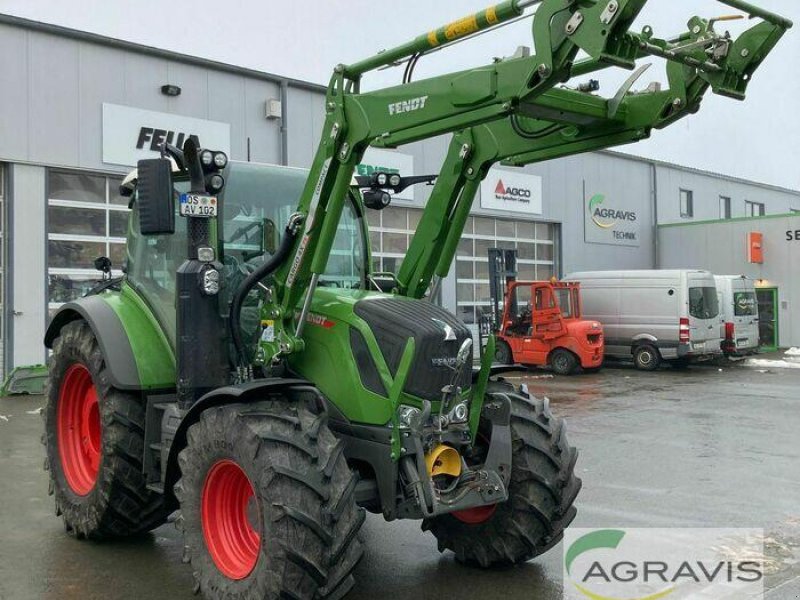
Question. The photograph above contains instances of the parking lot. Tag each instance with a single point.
(702, 448)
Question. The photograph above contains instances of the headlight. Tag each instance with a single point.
(460, 413)
(210, 282)
(220, 160)
(215, 182)
(207, 158)
(408, 416)
(205, 254)
(382, 179)
(394, 180)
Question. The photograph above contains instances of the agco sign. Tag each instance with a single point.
(513, 194)
(610, 224)
(510, 191)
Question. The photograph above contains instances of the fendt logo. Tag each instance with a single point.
(601, 215)
(511, 194)
(405, 106)
(648, 564)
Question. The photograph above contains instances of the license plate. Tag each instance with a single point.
(699, 345)
(198, 205)
(740, 343)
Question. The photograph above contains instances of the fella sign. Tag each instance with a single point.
(513, 191)
(130, 134)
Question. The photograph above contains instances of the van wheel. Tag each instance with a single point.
(503, 354)
(563, 362)
(646, 358)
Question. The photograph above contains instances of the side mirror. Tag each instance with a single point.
(155, 200)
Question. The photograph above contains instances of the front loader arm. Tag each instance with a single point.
(487, 108)
(552, 133)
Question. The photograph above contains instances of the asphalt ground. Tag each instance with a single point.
(698, 448)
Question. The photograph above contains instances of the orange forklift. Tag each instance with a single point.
(540, 323)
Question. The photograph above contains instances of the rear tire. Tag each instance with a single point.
(563, 362)
(94, 438)
(291, 530)
(503, 354)
(646, 357)
(542, 492)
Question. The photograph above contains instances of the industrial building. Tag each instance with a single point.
(69, 133)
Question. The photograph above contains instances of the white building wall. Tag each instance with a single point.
(721, 248)
(706, 190)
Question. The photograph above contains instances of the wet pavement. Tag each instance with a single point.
(699, 448)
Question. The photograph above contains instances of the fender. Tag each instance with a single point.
(136, 352)
(250, 391)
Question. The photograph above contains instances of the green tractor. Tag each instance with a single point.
(252, 372)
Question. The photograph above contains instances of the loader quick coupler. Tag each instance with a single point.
(437, 477)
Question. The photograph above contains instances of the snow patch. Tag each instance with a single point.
(771, 364)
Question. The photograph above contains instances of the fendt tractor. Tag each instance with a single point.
(251, 372)
(540, 322)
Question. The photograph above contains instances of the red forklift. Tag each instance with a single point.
(540, 323)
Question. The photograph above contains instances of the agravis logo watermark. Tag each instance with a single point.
(648, 564)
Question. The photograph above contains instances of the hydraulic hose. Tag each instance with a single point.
(234, 321)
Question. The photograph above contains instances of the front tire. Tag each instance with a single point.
(563, 362)
(542, 491)
(267, 504)
(94, 438)
(503, 354)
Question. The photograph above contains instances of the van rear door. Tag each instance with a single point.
(704, 317)
(745, 315)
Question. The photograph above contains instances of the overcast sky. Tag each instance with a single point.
(758, 139)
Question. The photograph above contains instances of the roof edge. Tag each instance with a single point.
(96, 38)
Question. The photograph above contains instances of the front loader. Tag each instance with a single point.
(254, 374)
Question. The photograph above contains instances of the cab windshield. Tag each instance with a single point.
(256, 205)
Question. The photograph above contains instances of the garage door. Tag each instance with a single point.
(534, 242)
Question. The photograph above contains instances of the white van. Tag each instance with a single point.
(654, 316)
(739, 310)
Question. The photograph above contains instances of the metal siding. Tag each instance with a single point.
(265, 143)
(301, 128)
(721, 248)
(144, 75)
(14, 109)
(53, 101)
(193, 81)
(102, 79)
(226, 103)
(706, 191)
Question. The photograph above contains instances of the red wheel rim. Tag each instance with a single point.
(477, 515)
(78, 429)
(231, 539)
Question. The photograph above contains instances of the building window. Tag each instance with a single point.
(724, 207)
(687, 204)
(754, 209)
(86, 218)
(391, 231)
(535, 244)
